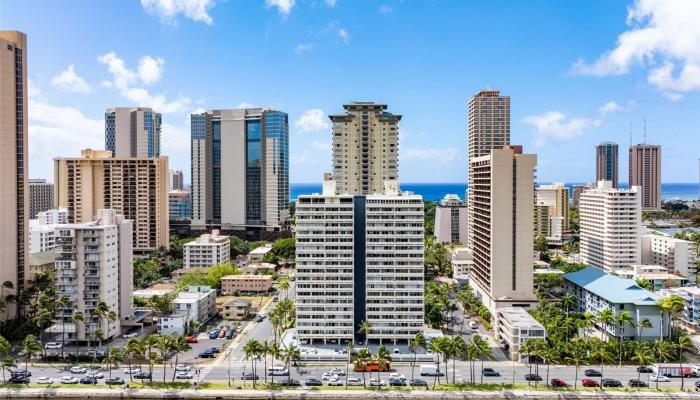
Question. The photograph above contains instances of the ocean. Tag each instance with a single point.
(436, 191)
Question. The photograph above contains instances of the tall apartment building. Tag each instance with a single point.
(132, 132)
(548, 224)
(676, 255)
(501, 233)
(359, 258)
(177, 180)
(93, 264)
(14, 193)
(607, 163)
(557, 197)
(610, 222)
(180, 205)
(135, 187)
(40, 196)
(645, 172)
(488, 128)
(365, 148)
(207, 250)
(240, 169)
(451, 220)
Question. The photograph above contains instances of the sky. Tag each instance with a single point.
(578, 73)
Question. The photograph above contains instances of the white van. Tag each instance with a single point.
(429, 370)
(277, 370)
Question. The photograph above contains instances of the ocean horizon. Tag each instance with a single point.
(436, 191)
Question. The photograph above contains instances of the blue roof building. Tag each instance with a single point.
(596, 290)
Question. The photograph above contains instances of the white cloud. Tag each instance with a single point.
(664, 36)
(557, 127)
(311, 121)
(427, 154)
(245, 104)
(34, 91)
(609, 107)
(284, 7)
(150, 69)
(123, 78)
(344, 35)
(330, 3)
(384, 9)
(321, 146)
(69, 81)
(168, 10)
(300, 48)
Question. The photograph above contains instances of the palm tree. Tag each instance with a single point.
(664, 308)
(43, 318)
(643, 356)
(568, 301)
(588, 321)
(601, 353)
(178, 345)
(31, 346)
(418, 342)
(435, 347)
(664, 352)
(77, 318)
(164, 344)
(7, 363)
(527, 348)
(549, 355)
(643, 323)
(114, 356)
(264, 351)
(577, 355)
(132, 348)
(148, 344)
(454, 347)
(111, 316)
(383, 359)
(684, 344)
(97, 334)
(275, 351)
(446, 351)
(623, 319)
(365, 328)
(251, 351)
(676, 305)
(361, 357)
(4, 352)
(62, 302)
(482, 350)
(605, 318)
(350, 349)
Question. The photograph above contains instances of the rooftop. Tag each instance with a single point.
(519, 318)
(246, 277)
(612, 288)
(42, 258)
(262, 250)
(238, 302)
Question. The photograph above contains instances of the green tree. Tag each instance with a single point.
(178, 345)
(644, 284)
(600, 353)
(541, 246)
(351, 350)
(78, 318)
(683, 345)
(643, 356)
(132, 348)
(164, 345)
(114, 357)
(360, 358)
(418, 342)
(4, 353)
(622, 320)
(251, 350)
(643, 323)
(31, 346)
(482, 351)
(383, 359)
(162, 305)
(576, 356)
(606, 317)
(146, 271)
(664, 352)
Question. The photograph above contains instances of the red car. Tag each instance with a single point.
(558, 383)
(590, 383)
(191, 339)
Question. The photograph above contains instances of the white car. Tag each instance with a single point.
(130, 335)
(53, 345)
(78, 370)
(659, 378)
(328, 376)
(183, 368)
(43, 380)
(376, 382)
(396, 350)
(354, 381)
(69, 380)
(132, 371)
(335, 382)
(183, 375)
(337, 371)
(396, 375)
(95, 374)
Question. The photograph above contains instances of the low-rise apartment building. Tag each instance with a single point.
(231, 284)
(514, 325)
(461, 262)
(39, 263)
(207, 250)
(596, 290)
(197, 303)
(257, 254)
(690, 318)
(676, 255)
(171, 325)
(235, 309)
(159, 289)
(656, 274)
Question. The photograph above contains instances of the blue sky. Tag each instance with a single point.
(577, 72)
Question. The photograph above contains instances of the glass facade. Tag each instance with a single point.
(109, 132)
(277, 138)
(216, 170)
(253, 178)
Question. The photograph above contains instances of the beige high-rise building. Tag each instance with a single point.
(488, 128)
(557, 196)
(502, 210)
(14, 193)
(365, 148)
(132, 132)
(40, 196)
(645, 172)
(135, 187)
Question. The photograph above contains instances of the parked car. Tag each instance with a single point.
(533, 377)
(183, 367)
(277, 370)
(52, 345)
(354, 381)
(645, 370)
(96, 375)
(88, 380)
(396, 351)
(214, 350)
(20, 379)
(69, 380)
(313, 382)
(260, 317)
(114, 381)
(397, 382)
(229, 333)
(636, 383)
(222, 333)
(430, 370)
(326, 376)
(19, 372)
(142, 375)
(697, 385)
(206, 354)
(249, 376)
(592, 372)
(43, 380)
(396, 375)
(659, 378)
(337, 371)
(130, 335)
(78, 370)
(608, 382)
(556, 382)
(183, 375)
(417, 382)
(290, 382)
(376, 382)
(335, 382)
(491, 372)
(191, 339)
(590, 383)
(130, 371)
(214, 334)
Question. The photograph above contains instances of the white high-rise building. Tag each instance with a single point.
(676, 255)
(501, 209)
(93, 264)
(451, 217)
(610, 222)
(53, 216)
(42, 235)
(207, 250)
(359, 258)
